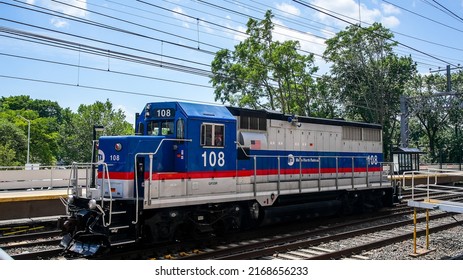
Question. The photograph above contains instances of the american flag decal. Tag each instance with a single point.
(255, 144)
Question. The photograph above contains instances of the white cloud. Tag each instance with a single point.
(76, 8)
(79, 9)
(390, 21)
(308, 42)
(349, 11)
(344, 7)
(390, 9)
(290, 9)
(180, 14)
(59, 23)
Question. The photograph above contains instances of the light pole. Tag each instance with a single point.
(96, 128)
(28, 136)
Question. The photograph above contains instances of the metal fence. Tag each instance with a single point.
(43, 177)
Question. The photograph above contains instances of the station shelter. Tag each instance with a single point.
(406, 159)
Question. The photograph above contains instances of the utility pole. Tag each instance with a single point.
(403, 121)
(404, 104)
(449, 77)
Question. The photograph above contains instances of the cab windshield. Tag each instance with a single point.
(157, 128)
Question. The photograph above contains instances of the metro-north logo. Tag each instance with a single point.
(290, 160)
(101, 156)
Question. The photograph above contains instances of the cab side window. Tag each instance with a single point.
(218, 135)
(153, 128)
(167, 127)
(180, 129)
(212, 135)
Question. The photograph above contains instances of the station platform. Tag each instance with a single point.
(430, 186)
(434, 181)
(435, 204)
(442, 178)
(30, 204)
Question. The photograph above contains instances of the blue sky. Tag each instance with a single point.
(133, 52)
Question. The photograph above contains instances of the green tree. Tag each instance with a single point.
(13, 144)
(439, 114)
(44, 136)
(7, 156)
(44, 117)
(44, 108)
(427, 107)
(369, 76)
(264, 73)
(57, 135)
(326, 105)
(82, 124)
(67, 152)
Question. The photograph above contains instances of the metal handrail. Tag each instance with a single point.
(254, 157)
(151, 155)
(74, 182)
(430, 174)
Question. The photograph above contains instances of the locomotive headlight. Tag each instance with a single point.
(147, 111)
(70, 199)
(118, 147)
(92, 204)
(173, 214)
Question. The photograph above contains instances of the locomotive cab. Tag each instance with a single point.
(203, 151)
(181, 143)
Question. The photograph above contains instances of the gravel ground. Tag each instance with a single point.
(446, 244)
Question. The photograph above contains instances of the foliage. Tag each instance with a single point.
(439, 114)
(98, 113)
(326, 105)
(369, 77)
(264, 73)
(13, 144)
(57, 135)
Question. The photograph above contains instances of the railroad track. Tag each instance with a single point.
(40, 254)
(356, 245)
(28, 236)
(312, 244)
(44, 245)
(268, 237)
(32, 246)
(30, 240)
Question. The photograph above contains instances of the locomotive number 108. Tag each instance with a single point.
(165, 113)
(213, 159)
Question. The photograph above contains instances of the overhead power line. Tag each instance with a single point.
(445, 10)
(318, 9)
(79, 47)
(100, 69)
(422, 16)
(97, 24)
(170, 97)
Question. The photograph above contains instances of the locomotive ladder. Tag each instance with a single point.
(78, 186)
(136, 197)
(109, 217)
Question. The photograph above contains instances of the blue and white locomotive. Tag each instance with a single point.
(195, 169)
